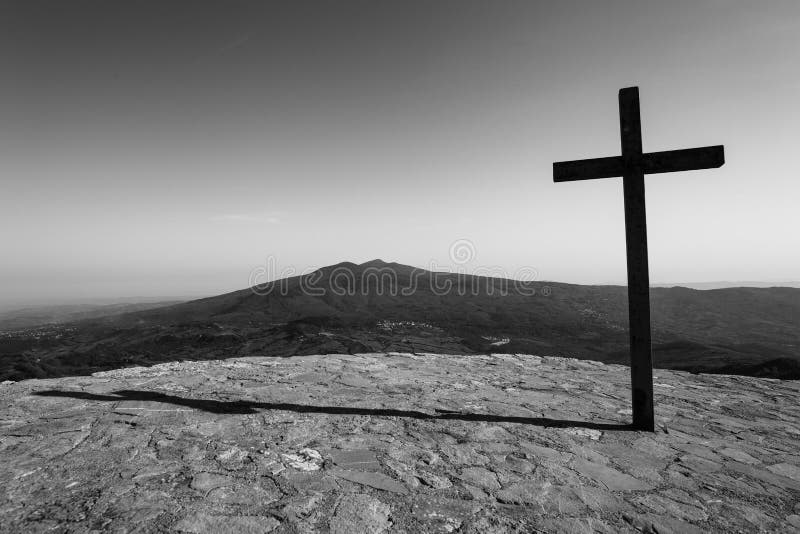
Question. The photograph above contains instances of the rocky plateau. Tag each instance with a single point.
(396, 442)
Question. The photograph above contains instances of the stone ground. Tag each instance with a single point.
(396, 443)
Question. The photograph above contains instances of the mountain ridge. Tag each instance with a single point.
(378, 306)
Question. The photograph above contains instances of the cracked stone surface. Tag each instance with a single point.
(396, 443)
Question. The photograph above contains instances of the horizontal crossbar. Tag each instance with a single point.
(689, 159)
(587, 169)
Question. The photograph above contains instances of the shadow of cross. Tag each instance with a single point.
(632, 165)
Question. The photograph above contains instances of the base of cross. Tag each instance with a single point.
(632, 165)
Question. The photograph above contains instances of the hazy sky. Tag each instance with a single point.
(169, 148)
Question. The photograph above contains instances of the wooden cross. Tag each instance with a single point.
(632, 165)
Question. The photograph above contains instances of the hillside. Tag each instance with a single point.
(379, 443)
(384, 307)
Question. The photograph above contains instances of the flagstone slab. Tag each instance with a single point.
(609, 477)
(360, 514)
(357, 459)
(374, 480)
(204, 523)
(786, 470)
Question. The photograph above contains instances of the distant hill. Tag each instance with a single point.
(724, 284)
(28, 317)
(385, 307)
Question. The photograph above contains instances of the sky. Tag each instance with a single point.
(175, 148)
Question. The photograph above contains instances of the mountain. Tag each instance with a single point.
(388, 307)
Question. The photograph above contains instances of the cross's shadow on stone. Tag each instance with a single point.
(250, 407)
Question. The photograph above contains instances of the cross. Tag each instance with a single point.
(632, 165)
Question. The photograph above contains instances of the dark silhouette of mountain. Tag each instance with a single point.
(385, 307)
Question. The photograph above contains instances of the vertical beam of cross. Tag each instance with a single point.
(632, 165)
(630, 127)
